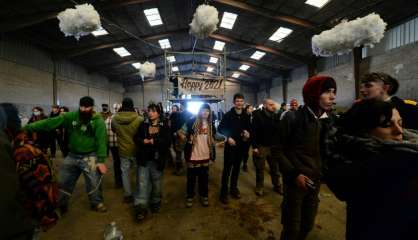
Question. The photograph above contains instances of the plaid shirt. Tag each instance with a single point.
(112, 139)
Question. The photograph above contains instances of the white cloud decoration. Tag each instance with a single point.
(347, 35)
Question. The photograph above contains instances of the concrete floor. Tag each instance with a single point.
(251, 217)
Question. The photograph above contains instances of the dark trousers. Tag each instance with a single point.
(299, 209)
(62, 143)
(246, 155)
(232, 163)
(53, 143)
(116, 165)
(260, 162)
(201, 174)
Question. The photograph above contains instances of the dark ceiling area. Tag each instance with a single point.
(35, 21)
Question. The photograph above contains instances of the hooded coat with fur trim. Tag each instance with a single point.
(379, 181)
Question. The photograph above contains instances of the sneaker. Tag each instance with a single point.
(100, 207)
(189, 202)
(63, 210)
(235, 194)
(204, 201)
(155, 208)
(140, 213)
(259, 192)
(224, 199)
(128, 199)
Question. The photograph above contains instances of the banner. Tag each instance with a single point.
(201, 86)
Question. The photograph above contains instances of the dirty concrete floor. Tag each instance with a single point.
(251, 217)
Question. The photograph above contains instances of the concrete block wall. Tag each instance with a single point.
(153, 93)
(26, 74)
(295, 83)
(344, 76)
(401, 63)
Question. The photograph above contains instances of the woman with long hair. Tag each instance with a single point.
(200, 133)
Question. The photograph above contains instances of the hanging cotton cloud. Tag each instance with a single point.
(147, 69)
(205, 21)
(80, 21)
(347, 35)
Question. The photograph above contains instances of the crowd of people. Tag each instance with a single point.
(368, 157)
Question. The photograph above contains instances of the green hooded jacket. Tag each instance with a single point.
(83, 138)
(125, 125)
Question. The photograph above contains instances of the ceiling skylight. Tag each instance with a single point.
(121, 51)
(257, 55)
(280, 34)
(228, 20)
(219, 45)
(153, 16)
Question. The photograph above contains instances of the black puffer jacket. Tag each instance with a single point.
(265, 127)
(379, 182)
(233, 124)
(160, 148)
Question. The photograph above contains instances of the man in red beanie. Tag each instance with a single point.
(298, 151)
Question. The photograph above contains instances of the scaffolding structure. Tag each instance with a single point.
(217, 74)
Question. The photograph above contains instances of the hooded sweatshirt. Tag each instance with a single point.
(83, 138)
(125, 125)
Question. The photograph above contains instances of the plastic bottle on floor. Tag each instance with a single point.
(112, 232)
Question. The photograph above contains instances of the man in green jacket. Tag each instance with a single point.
(125, 124)
(87, 151)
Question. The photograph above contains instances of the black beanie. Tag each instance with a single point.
(127, 104)
(86, 101)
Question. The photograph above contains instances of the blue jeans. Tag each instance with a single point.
(149, 187)
(73, 166)
(125, 166)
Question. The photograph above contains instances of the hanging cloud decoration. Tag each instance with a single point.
(205, 21)
(80, 21)
(147, 69)
(347, 35)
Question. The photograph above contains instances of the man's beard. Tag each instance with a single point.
(85, 116)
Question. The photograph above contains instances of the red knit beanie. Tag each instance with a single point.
(314, 87)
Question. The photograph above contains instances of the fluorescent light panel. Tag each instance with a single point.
(244, 67)
(136, 65)
(100, 32)
(171, 59)
(164, 43)
(280, 34)
(228, 20)
(121, 51)
(317, 3)
(209, 69)
(153, 16)
(257, 55)
(213, 59)
(219, 45)
(175, 69)
(235, 75)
